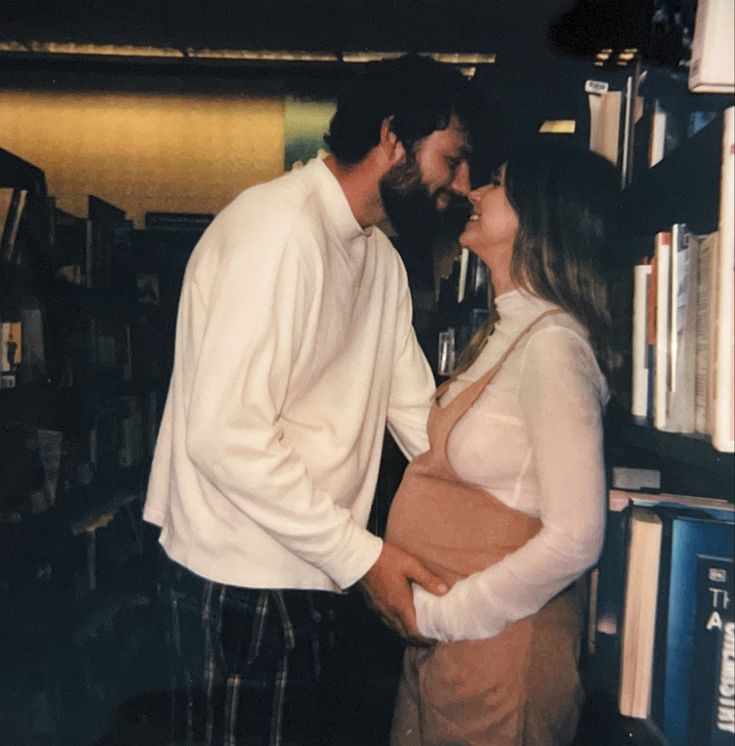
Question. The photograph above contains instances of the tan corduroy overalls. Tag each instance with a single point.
(520, 687)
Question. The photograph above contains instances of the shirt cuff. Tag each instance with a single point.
(450, 618)
(359, 552)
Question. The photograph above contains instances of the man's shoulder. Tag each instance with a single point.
(387, 250)
(258, 222)
(275, 199)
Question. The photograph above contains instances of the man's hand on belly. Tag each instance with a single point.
(387, 585)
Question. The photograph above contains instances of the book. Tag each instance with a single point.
(710, 507)
(657, 147)
(630, 610)
(723, 416)
(605, 119)
(682, 330)
(639, 617)
(12, 204)
(105, 220)
(712, 69)
(639, 362)
(706, 259)
(651, 297)
(634, 478)
(712, 689)
(690, 537)
(662, 253)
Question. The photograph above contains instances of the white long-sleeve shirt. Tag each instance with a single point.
(294, 346)
(534, 440)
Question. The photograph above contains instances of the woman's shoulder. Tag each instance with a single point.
(556, 322)
(560, 343)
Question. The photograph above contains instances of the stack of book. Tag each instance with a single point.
(661, 614)
(682, 336)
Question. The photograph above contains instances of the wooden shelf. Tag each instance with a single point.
(687, 460)
(683, 187)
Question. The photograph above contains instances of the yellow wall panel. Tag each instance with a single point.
(145, 151)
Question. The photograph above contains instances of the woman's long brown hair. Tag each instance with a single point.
(567, 201)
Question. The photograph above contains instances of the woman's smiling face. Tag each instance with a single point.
(491, 230)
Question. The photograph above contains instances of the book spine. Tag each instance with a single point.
(713, 46)
(723, 435)
(683, 331)
(712, 681)
(639, 399)
(637, 649)
(657, 144)
(661, 375)
(677, 299)
(651, 294)
(704, 329)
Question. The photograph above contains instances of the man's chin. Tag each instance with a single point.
(442, 202)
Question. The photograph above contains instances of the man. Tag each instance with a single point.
(294, 348)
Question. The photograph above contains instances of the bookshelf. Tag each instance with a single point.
(94, 300)
(684, 187)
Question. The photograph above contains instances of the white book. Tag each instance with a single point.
(723, 417)
(662, 362)
(657, 144)
(639, 620)
(678, 274)
(706, 257)
(639, 384)
(464, 259)
(682, 329)
(605, 111)
(712, 68)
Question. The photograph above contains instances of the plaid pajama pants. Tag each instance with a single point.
(250, 666)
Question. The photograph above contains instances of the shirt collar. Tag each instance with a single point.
(331, 194)
(520, 303)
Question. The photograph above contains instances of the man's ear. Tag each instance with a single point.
(392, 147)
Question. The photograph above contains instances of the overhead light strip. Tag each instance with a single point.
(97, 50)
(468, 60)
(453, 58)
(265, 55)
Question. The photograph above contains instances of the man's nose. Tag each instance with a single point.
(461, 184)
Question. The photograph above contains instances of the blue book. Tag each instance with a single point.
(711, 694)
(690, 537)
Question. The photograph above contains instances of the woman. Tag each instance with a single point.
(508, 504)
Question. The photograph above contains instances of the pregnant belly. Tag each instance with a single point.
(454, 528)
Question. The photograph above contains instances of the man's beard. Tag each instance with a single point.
(413, 210)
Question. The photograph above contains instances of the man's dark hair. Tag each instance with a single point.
(420, 95)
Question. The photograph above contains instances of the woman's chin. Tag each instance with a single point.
(465, 237)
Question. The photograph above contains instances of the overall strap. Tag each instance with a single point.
(477, 386)
(442, 419)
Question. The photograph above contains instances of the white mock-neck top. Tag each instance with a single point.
(534, 440)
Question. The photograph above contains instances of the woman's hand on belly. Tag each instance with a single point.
(388, 587)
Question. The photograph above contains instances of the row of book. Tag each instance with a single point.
(638, 117)
(102, 448)
(87, 318)
(661, 631)
(683, 332)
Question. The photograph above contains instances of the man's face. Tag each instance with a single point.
(430, 179)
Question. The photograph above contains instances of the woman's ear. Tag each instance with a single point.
(392, 147)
